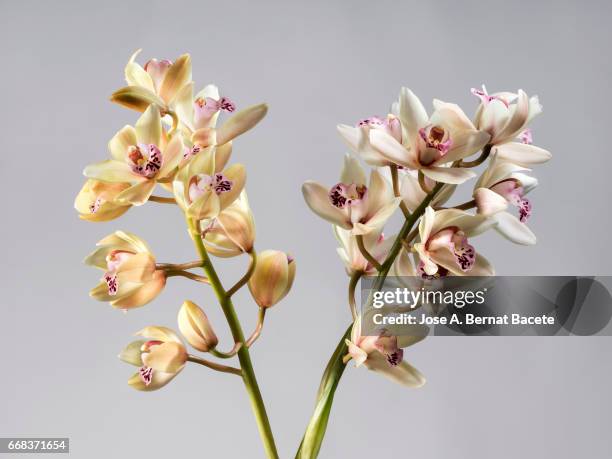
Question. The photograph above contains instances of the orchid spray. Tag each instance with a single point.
(417, 161)
(177, 147)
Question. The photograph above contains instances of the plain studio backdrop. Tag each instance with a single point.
(317, 64)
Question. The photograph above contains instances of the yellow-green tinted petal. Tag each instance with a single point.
(111, 171)
(237, 174)
(137, 194)
(136, 98)
(135, 75)
(241, 122)
(145, 294)
(148, 126)
(205, 206)
(159, 333)
(121, 141)
(178, 75)
(132, 353)
(171, 156)
(168, 357)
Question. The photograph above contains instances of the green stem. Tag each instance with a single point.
(315, 432)
(248, 374)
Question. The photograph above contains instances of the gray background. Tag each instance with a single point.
(316, 64)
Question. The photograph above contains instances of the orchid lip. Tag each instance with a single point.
(201, 183)
(111, 281)
(146, 375)
(513, 191)
(144, 160)
(95, 206)
(372, 121)
(342, 195)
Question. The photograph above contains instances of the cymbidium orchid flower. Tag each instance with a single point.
(350, 204)
(141, 156)
(431, 144)
(203, 190)
(503, 183)
(384, 354)
(272, 278)
(505, 116)
(444, 248)
(96, 201)
(131, 278)
(159, 358)
(232, 232)
(376, 244)
(159, 82)
(358, 137)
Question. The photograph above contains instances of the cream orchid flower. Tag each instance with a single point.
(141, 156)
(351, 204)
(232, 232)
(384, 354)
(203, 190)
(505, 116)
(131, 278)
(199, 119)
(501, 184)
(159, 358)
(159, 82)
(358, 137)
(376, 244)
(96, 201)
(444, 248)
(431, 144)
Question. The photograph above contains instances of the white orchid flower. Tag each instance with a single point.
(384, 354)
(351, 204)
(444, 248)
(376, 243)
(431, 144)
(142, 156)
(505, 116)
(199, 116)
(501, 184)
(358, 137)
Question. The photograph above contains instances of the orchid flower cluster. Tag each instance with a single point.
(416, 161)
(177, 147)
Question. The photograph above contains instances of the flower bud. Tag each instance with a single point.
(273, 277)
(233, 231)
(196, 328)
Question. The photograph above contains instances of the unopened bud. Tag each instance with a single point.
(273, 277)
(196, 328)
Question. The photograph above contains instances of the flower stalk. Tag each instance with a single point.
(315, 432)
(247, 371)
